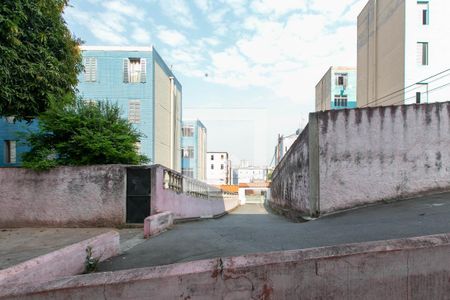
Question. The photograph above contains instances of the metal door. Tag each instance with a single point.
(138, 194)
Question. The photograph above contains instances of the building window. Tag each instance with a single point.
(134, 70)
(222, 156)
(212, 167)
(424, 10)
(340, 101)
(187, 131)
(188, 152)
(221, 167)
(90, 69)
(134, 111)
(341, 79)
(212, 157)
(189, 172)
(10, 152)
(422, 53)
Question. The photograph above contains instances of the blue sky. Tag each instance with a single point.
(248, 67)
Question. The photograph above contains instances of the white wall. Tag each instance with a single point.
(217, 175)
(437, 34)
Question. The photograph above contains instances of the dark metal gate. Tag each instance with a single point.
(138, 194)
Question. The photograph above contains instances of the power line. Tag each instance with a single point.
(403, 89)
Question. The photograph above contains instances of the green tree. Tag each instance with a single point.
(83, 133)
(39, 58)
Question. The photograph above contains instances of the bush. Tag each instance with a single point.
(83, 133)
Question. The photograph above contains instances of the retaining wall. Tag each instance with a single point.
(362, 156)
(64, 196)
(414, 268)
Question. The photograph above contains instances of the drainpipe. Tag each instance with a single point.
(172, 123)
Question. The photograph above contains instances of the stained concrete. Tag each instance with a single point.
(21, 244)
(251, 229)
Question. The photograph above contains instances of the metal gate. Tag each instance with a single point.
(138, 194)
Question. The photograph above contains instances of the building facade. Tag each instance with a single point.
(138, 80)
(283, 145)
(336, 89)
(193, 149)
(218, 168)
(249, 174)
(402, 52)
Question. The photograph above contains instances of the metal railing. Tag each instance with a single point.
(189, 186)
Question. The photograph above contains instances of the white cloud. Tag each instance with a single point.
(279, 8)
(178, 12)
(140, 35)
(125, 8)
(171, 37)
(203, 5)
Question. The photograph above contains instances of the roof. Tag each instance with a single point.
(117, 48)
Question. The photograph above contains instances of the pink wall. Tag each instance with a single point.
(185, 206)
(417, 268)
(65, 196)
(63, 262)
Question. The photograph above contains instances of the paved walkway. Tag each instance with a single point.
(251, 229)
(21, 244)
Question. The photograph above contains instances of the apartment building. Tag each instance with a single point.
(402, 52)
(284, 143)
(336, 89)
(138, 80)
(193, 149)
(218, 168)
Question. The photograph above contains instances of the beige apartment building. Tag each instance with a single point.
(402, 52)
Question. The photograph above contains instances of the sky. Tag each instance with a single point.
(248, 67)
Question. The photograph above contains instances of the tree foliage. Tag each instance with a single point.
(83, 133)
(39, 58)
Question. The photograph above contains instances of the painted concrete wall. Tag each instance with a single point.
(414, 268)
(390, 152)
(183, 205)
(65, 196)
(290, 187)
(362, 156)
(381, 53)
(9, 132)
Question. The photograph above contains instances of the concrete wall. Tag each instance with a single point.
(65, 196)
(415, 268)
(381, 53)
(290, 188)
(363, 156)
(184, 205)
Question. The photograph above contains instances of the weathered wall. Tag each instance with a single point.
(367, 155)
(65, 196)
(290, 187)
(183, 205)
(415, 268)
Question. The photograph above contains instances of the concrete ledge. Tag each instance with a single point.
(66, 261)
(413, 268)
(157, 223)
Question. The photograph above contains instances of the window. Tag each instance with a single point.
(422, 54)
(212, 167)
(90, 69)
(212, 157)
(10, 152)
(341, 79)
(189, 172)
(340, 101)
(134, 70)
(188, 152)
(222, 156)
(187, 131)
(221, 167)
(134, 111)
(424, 11)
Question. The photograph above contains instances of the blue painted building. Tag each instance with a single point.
(11, 145)
(193, 145)
(147, 91)
(337, 89)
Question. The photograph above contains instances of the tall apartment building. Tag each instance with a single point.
(218, 168)
(402, 45)
(193, 149)
(138, 80)
(336, 89)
